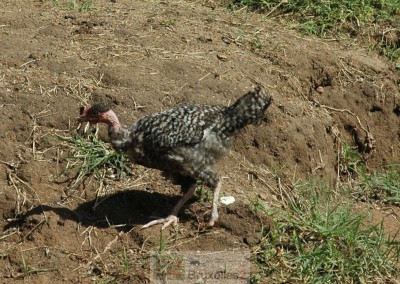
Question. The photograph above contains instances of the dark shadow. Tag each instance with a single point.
(128, 208)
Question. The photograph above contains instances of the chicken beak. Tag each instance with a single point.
(84, 118)
(83, 115)
(81, 118)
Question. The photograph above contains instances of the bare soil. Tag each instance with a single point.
(147, 56)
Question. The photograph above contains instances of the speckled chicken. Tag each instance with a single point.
(184, 142)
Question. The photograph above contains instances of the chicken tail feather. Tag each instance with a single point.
(248, 109)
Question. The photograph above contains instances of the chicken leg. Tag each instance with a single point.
(214, 208)
(173, 216)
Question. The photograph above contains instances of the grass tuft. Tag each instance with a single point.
(91, 156)
(202, 194)
(315, 241)
(329, 17)
(340, 18)
(383, 185)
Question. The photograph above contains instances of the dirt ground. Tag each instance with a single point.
(147, 56)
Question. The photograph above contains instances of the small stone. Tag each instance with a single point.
(69, 17)
(222, 57)
(251, 240)
(226, 200)
(226, 40)
(320, 89)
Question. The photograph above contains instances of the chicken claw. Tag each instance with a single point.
(171, 219)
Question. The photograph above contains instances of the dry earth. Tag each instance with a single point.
(147, 56)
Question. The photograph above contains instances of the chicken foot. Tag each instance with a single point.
(172, 217)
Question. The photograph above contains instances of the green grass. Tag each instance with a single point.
(203, 195)
(168, 266)
(125, 261)
(90, 156)
(351, 161)
(324, 17)
(75, 5)
(315, 239)
(26, 270)
(383, 185)
(371, 19)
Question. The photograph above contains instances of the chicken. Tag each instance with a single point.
(184, 142)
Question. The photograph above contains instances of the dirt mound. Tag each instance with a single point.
(143, 57)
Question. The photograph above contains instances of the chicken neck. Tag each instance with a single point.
(112, 121)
